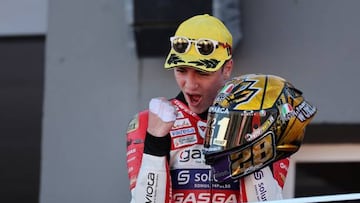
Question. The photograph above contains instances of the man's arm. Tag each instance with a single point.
(147, 163)
(135, 136)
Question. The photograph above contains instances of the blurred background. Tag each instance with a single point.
(73, 73)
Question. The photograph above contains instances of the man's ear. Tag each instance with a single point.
(227, 70)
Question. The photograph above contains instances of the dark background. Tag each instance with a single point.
(21, 99)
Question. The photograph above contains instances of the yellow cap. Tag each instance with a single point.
(202, 26)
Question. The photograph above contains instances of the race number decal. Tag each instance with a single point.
(253, 157)
(220, 138)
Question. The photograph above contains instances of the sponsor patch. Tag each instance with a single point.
(134, 141)
(304, 111)
(261, 192)
(216, 109)
(133, 124)
(180, 132)
(185, 140)
(151, 185)
(189, 179)
(181, 123)
(286, 112)
(191, 155)
(259, 131)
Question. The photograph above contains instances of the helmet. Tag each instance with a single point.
(255, 120)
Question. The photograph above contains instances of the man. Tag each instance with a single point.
(165, 144)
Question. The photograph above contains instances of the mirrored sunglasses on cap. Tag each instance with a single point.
(203, 46)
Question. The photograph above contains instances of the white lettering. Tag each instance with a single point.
(131, 151)
(304, 111)
(181, 123)
(216, 109)
(185, 131)
(202, 177)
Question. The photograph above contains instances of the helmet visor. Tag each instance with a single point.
(227, 130)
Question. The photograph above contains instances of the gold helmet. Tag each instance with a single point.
(255, 120)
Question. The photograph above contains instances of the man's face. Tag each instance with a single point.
(200, 88)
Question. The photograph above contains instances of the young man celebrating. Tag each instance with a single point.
(165, 143)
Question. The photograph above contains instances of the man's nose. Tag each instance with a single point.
(191, 81)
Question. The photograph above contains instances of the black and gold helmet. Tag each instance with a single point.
(255, 120)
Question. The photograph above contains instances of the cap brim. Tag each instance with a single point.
(207, 64)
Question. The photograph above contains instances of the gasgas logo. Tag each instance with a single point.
(191, 154)
(204, 197)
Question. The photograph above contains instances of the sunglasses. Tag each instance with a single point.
(203, 46)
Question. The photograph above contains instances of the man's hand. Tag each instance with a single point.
(162, 115)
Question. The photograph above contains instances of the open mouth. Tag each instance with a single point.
(194, 99)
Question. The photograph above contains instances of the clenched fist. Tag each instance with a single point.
(162, 115)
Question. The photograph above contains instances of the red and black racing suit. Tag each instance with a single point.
(172, 168)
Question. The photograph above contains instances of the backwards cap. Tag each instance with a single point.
(197, 27)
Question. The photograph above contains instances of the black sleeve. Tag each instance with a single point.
(157, 146)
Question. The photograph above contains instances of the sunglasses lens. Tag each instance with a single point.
(180, 44)
(205, 47)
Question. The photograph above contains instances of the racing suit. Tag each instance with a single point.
(173, 169)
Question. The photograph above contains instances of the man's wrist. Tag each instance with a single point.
(157, 146)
